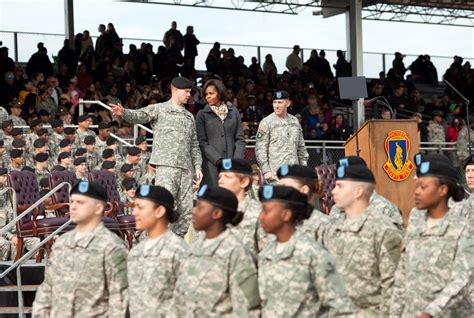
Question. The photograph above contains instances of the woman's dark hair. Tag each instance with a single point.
(231, 217)
(300, 211)
(455, 190)
(171, 215)
(315, 187)
(218, 85)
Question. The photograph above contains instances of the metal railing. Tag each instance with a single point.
(22, 45)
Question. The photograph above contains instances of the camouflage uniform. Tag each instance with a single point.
(152, 274)
(315, 225)
(436, 132)
(92, 159)
(144, 158)
(147, 179)
(175, 153)
(79, 137)
(249, 230)
(41, 174)
(5, 244)
(367, 250)
(280, 141)
(124, 198)
(462, 144)
(435, 269)
(301, 281)
(216, 279)
(381, 205)
(85, 277)
(53, 142)
(18, 121)
(5, 160)
(100, 146)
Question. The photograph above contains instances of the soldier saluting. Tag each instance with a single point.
(175, 150)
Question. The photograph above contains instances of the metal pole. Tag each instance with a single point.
(354, 36)
(69, 21)
(15, 44)
(383, 63)
(259, 55)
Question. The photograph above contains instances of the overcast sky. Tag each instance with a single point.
(150, 21)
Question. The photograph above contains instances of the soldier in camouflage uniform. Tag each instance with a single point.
(39, 146)
(140, 143)
(81, 169)
(153, 265)
(133, 158)
(379, 203)
(218, 276)
(175, 150)
(365, 243)
(4, 157)
(84, 122)
(41, 166)
(305, 180)
(462, 144)
(35, 126)
(91, 155)
(87, 271)
(112, 144)
(279, 139)
(6, 215)
(436, 269)
(127, 195)
(17, 160)
(103, 135)
(15, 116)
(56, 137)
(236, 175)
(7, 127)
(436, 132)
(297, 276)
(149, 176)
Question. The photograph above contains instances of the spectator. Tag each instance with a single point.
(398, 100)
(190, 47)
(116, 41)
(6, 62)
(103, 42)
(8, 89)
(255, 69)
(312, 117)
(39, 62)
(87, 55)
(173, 39)
(325, 67)
(398, 67)
(293, 61)
(342, 67)
(339, 130)
(416, 103)
(213, 58)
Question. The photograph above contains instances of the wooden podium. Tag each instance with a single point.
(388, 148)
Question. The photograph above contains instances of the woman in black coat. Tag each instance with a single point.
(219, 131)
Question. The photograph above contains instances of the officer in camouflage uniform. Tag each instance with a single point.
(41, 166)
(175, 150)
(365, 243)
(236, 175)
(305, 180)
(218, 276)
(87, 272)
(153, 265)
(434, 276)
(297, 276)
(84, 122)
(379, 203)
(462, 144)
(279, 139)
(436, 132)
(15, 109)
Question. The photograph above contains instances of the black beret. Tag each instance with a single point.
(64, 155)
(296, 172)
(16, 153)
(437, 165)
(282, 194)
(39, 143)
(90, 189)
(3, 171)
(156, 194)
(41, 157)
(69, 130)
(7, 123)
(236, 165)
(55, 123)
(26, 168)
(82, 118)
(355, 173)
(133, 151)
(108, 165)
(89, 140)
(44, 183)
(58, 168)
(281, 95)
(42, 131)
(126, 168)
(64, 143)
(469, 161)
(16, 131)
(350, 161)
(140, 139)
(79, 161)
(182, 83)
(35, 122)
(107, 153)
(111, 141)
(80, 152)
(18, 143)
(129, 183)
(437, 112)
(219, 197)
(43, 112)
(103, 125)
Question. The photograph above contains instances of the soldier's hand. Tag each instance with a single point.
(268, 176)
(14, 240)
(198, 177)
(117, 109)
(425, 315)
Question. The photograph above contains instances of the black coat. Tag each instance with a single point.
(218, 140)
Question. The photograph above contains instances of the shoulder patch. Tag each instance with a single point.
(262, 128)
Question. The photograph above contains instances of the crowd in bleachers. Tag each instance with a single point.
(104, 71)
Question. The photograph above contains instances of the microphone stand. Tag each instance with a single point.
(467, 102)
